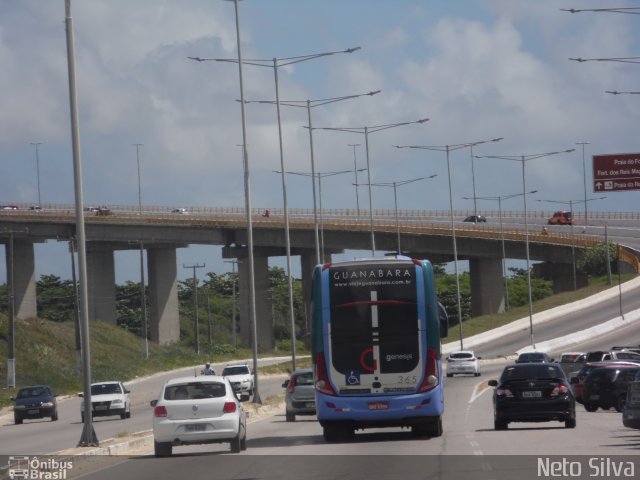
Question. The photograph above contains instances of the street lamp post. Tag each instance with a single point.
(309, 104)
(143, 300)
(276, 63)
(523, 159)
(584, 180)
(504, 253)
(366, 130)
(395, 200)
(35, 144)
(247, 195)
(448, 149)
(355, 172)
(233, 293)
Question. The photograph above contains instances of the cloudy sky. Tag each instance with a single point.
(478, 69)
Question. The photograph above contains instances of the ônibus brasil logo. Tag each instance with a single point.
(38, 468)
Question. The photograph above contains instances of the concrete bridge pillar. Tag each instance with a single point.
(487, 286)
(264, 317)
(163, 295)
(24, 278)
(101, 284)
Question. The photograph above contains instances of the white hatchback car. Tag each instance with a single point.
(198, 410)
(463, 361)
(108, 399)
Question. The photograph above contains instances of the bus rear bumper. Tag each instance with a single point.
(367, 412)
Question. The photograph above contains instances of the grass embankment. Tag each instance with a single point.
(45, 351)
(483, 323)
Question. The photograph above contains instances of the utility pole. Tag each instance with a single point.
(209, 320)
(195, 304)
(233, 311)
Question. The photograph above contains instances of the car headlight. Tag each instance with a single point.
(116, 402)
(47, 404)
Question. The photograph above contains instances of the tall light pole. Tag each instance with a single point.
(584, 179)
(309, 104)
(233, 311)
(247, 195)
(504, 253)
(473, 176)
(523, 159)
(276, 63)
(395, 186)
(366, 130)
(196, 322)
(448, 149)
(88, 437)
(143, 299)
(355, 172)
(35, 144)
(319, 176)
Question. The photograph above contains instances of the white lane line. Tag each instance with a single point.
(478, 390)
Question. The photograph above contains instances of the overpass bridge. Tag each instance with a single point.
(425, 234)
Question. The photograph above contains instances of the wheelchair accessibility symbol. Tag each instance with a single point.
(352, 377)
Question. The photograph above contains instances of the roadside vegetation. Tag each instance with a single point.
(45, 347)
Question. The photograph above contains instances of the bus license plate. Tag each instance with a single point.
(378, 405)
(532, 394)
(196, 427)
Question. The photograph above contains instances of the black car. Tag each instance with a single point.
(533, 392)
(606, 387)
(37, 401)
(534, 357)
(475, 219)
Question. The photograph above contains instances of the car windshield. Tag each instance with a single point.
(105, 389)
(33, 392)
(242, 370)
(531, 371)
(194, 391)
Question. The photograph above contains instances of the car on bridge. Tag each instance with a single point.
(561, 217)
(475, 219)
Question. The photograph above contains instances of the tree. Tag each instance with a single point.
(593, 260)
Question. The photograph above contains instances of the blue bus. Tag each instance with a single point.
(376, 330)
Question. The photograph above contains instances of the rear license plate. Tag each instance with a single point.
(532, 394)
(310, 405)
(33, 412)
(195, 427)
(378, 405)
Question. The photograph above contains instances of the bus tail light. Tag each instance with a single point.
(322, 379)
(430, 380)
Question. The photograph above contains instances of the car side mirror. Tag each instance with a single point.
(153, 403)
(127, 391)
(13, 399)
(285, 384)
(492, 383)
(81, 394)
(479, 358)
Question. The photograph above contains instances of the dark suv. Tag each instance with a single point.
(606, 387)
(37, 401)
